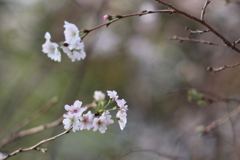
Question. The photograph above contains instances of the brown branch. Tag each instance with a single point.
(197, 31)
(36, 146)
(13, 135)
(228, 43)
(204, 9)
(181, 39)
(218, 69)
(23, 133)
(118, 17)
(236, 42)
(35, 115)
(220, 121)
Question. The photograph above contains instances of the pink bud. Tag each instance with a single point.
(105, 17)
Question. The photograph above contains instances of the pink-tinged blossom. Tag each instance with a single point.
(75, 108)
(99, 96)
(122, 120)
(121, 103)
(71, 120)
(51, 49)
(100, 124)
(86, 121)
(112, 94)
(107, 117)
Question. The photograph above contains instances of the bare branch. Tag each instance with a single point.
(220, 121)
(35, 115)
(35, 147)
(23, 133)
(13, 135)
(181, 39)
(228, 43)
(197, 31)
(118, 17)
(218, 69)
(236, 42)
(204, 9)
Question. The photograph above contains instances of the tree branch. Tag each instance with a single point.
(228, 43)
(118, 17)
(220, 121)
(197, 31)
(181, 39)
(204, 9)
(35, 147)
(23, 133)
(218, 69)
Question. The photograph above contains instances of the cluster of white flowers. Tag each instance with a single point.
(72, 46)
(79, 120)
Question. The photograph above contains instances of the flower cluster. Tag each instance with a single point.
(72, 46)
(80, 118)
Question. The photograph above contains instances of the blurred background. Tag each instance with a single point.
(133, 56)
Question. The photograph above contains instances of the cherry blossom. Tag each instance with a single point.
(51, 49)
(99, 96)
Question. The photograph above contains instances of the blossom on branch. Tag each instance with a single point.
(86, 121)
(73, 46)
(122, 113)
(51, 49)
(112, 94)
(101, 119)
(75, 108)
(99, 95)
(69, 120)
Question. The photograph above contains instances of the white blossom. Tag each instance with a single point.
(71, 34)
(86, 121)
(71, 120)
(122, 120)
(74, 47)
(122, 113)
(100, 124)
(75, 108)
(99, 96)
(107, 117)
(112, 94)
(51, 49)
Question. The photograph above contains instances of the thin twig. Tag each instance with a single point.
(118, 17)
(26, 132)
(35, 115)
(204, 9)
(35, 147)
(13, 135)
(182, 39)
(228, 43)
(197, 31)
(236, 42)
(218, 69)
(220, 121)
